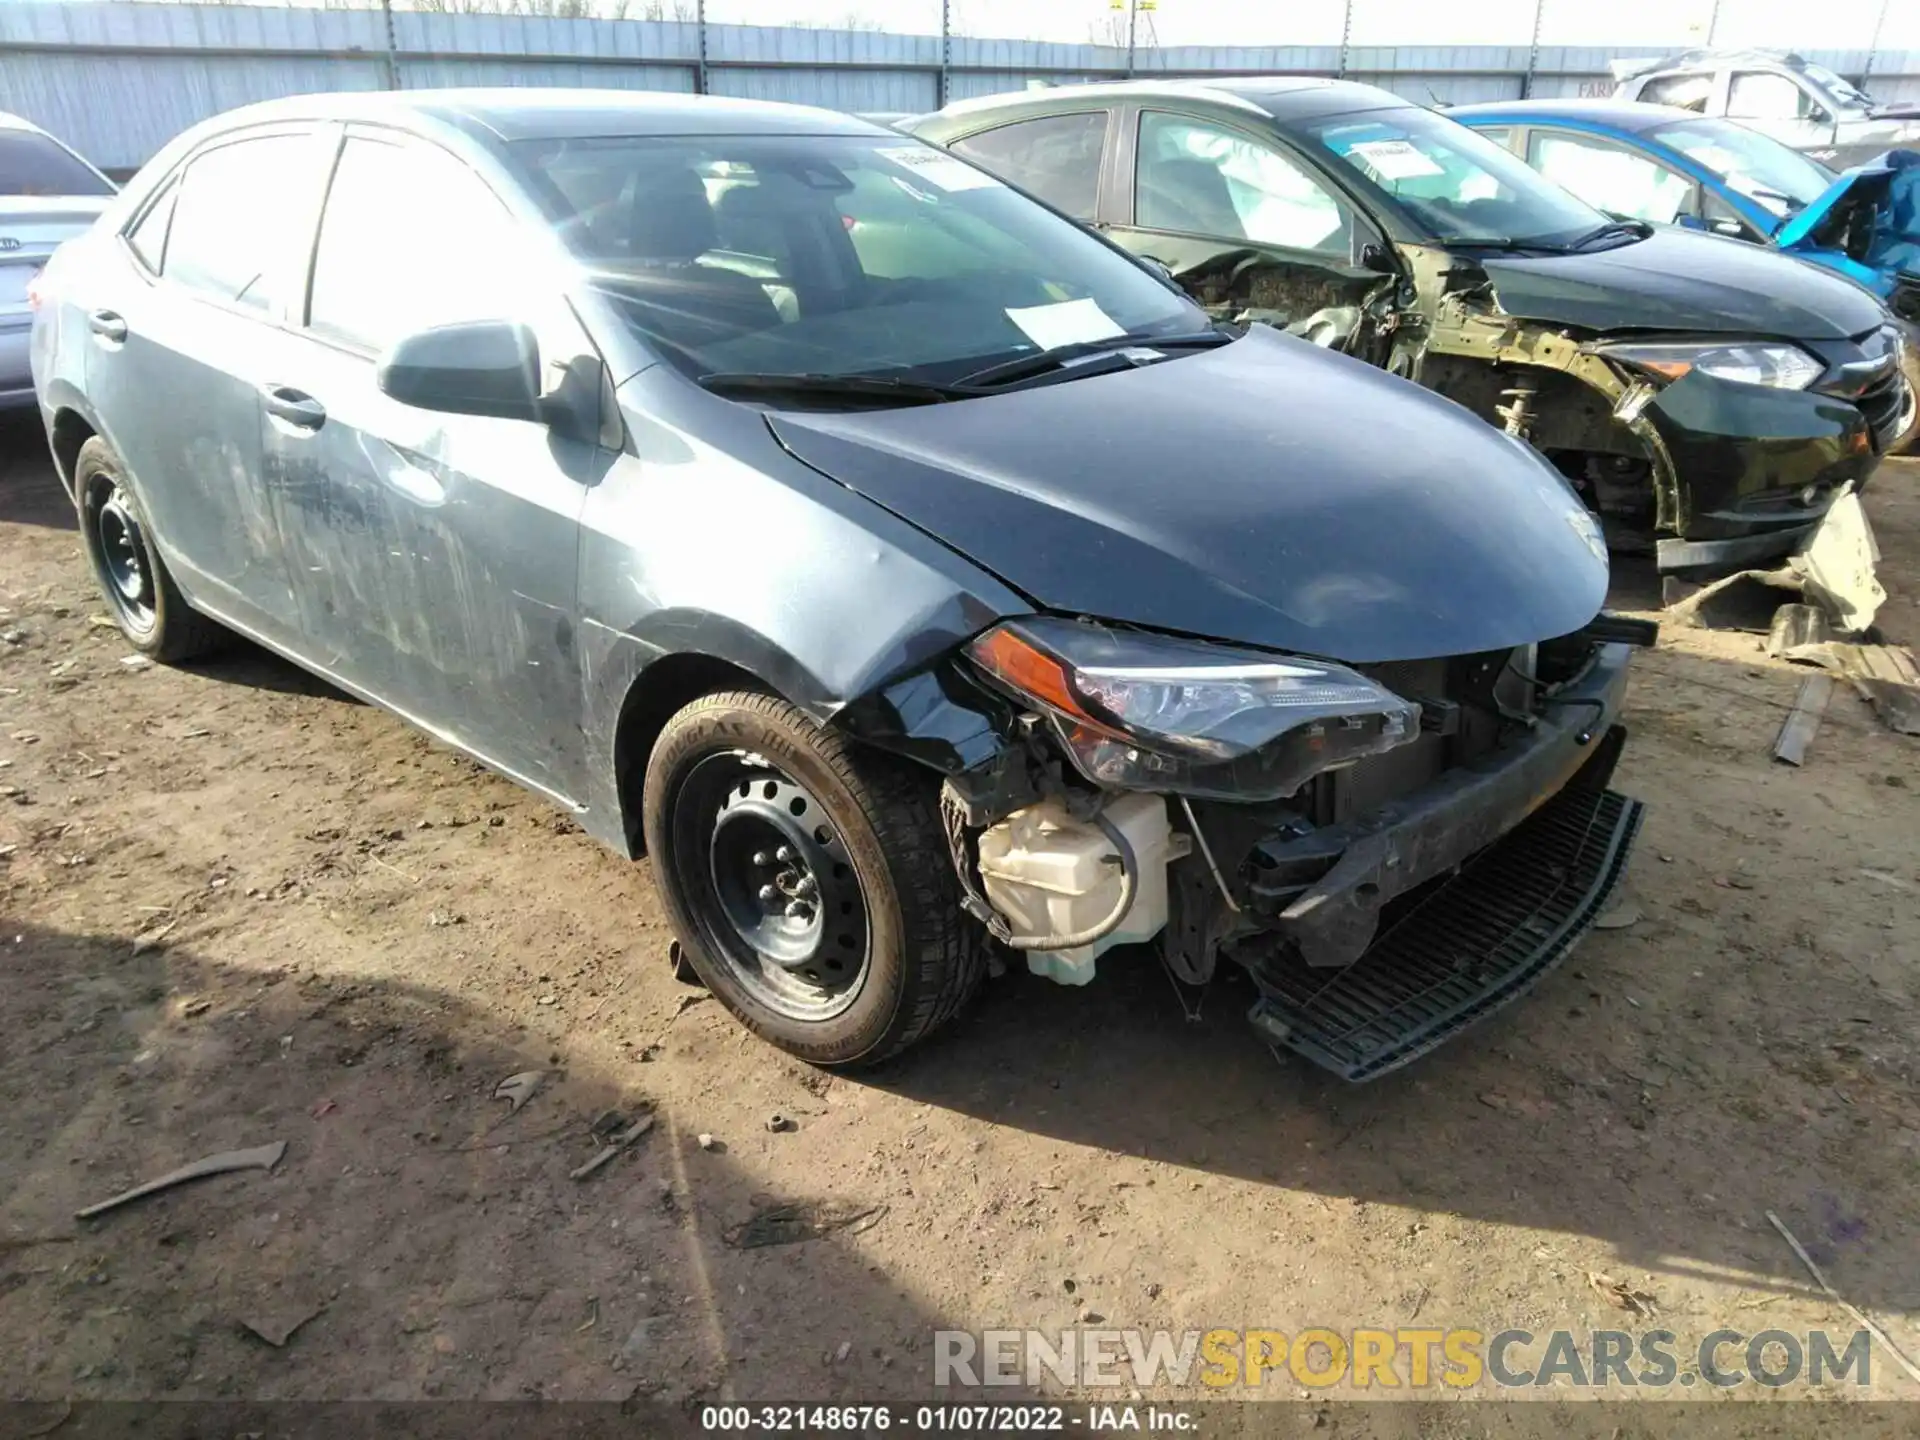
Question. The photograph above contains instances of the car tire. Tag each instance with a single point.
(1909, 442)
(809, 880)
(132, 578)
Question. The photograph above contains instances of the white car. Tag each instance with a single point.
(47, 194)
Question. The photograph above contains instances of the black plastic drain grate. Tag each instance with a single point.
(1463, 950)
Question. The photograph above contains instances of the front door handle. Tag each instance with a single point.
(295, 407)
(108, 326)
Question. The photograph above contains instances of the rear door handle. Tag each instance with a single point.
(295, 407)
(108, 326)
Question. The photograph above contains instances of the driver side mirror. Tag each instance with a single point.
(1378, 258)
(485, 367)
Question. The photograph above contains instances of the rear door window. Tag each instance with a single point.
(1689, 92)
(1056, 157)
(243, 218)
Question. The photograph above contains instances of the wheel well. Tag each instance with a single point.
(664, 687)
(70, 432)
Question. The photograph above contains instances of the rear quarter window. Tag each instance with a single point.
(148, 237)
(1056, 157)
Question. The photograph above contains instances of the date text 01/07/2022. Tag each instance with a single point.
(943, 1419)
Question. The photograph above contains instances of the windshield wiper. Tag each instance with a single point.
(1027, 367)
(1638, 229)
(1502, 242)
(842, 387)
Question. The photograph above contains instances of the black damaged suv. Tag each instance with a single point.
(1705, 396)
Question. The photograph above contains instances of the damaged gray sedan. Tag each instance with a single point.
(909, 572)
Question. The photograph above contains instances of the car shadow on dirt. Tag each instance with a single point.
(29, 492)
(241, 662)
(424, 1240)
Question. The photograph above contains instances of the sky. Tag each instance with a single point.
(1826, 25)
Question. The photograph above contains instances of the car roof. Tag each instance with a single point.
(1628, 115)
(1278, 97)
(554, 114)
(1696, 59)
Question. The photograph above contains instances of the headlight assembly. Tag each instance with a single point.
(1778, 367)
(1149, 712)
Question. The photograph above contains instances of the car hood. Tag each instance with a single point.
(1268, 492)
(1679, 280)
(1890, 186)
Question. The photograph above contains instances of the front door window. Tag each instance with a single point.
(1201, 179)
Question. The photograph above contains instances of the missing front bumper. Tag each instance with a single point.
(1462, 949)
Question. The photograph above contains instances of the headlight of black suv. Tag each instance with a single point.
(1149, 712)
(1775, 366)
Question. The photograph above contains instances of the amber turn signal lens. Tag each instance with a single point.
(1028, 670)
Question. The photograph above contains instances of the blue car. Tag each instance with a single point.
(1673, 167)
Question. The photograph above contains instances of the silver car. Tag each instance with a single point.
(47, 194)
(1803, 105)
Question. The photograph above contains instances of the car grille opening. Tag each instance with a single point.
(1460, 948)
(1884, 405)
(1905, 300)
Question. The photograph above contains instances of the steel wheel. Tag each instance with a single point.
(120, 547)
(772, 886)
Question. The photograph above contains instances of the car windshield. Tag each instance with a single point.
(1756, 165)
(35, 164)
(1846, 94)
(1454, 185)
(861, 255)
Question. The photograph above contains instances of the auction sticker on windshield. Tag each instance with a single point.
(941, 171)
(1395, 159)
(1069, 322)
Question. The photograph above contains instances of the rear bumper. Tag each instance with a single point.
(16, 370)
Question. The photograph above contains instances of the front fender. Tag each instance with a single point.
(709, 540)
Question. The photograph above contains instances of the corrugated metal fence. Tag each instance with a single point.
(118, 80)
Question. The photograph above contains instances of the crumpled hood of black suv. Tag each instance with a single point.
(1682, 281)
(1267, 492)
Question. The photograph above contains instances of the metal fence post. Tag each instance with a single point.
(946, 52)
(393, 58)
(1533, 51)
(1873, 45)
(1133, 20)
(1713, 23)
(1346, 37)
(700, 66)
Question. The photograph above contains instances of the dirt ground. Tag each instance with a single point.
(238, 908)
